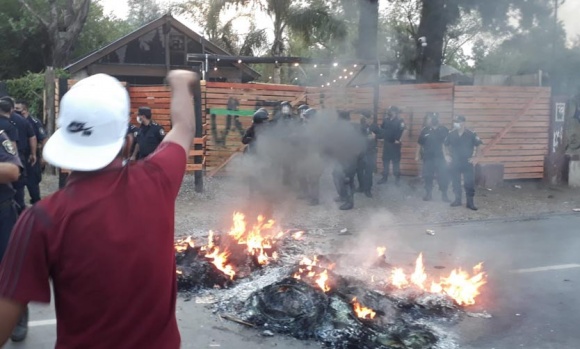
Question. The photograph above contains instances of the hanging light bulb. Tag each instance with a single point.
(350, 73)
(215, 68)
(239, 61)
(296, 64)
(321, 74)
(345, 70)
(316, 66)
(328, 84)
(335, 64)
(354, 65)
(334, 81)
(269, 77)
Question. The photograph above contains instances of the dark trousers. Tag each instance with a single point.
(310, 187)
(364, 171)
(34, 177)
(458, 168)
(343, 177)
(392, 154)
(435, 167)
(8, 217)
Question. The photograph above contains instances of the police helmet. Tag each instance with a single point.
(433, 115)
(260, 116)
(310, 113)
(393, 110)
(303, 107)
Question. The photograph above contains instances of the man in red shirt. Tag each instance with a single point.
(105, 239)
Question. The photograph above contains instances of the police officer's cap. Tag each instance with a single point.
(460, 118)
(260, 116)
(433, 115)
(310, 113)
(285, 103)
(303, 107)
(145, 111)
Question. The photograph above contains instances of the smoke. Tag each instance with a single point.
(287, 153)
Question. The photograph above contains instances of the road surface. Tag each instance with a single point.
(532, 291)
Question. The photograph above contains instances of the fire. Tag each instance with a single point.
(182, 245)
(381, 251)
(362, 312)
(419, 277)
(259, 240)
(307, 270)
(220, 260)
(460, 285)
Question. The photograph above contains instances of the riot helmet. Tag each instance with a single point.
(260, 116)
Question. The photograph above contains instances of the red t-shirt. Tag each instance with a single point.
(106, 241)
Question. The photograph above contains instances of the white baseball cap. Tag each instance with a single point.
(92, 125)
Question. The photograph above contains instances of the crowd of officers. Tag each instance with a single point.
(446, 155)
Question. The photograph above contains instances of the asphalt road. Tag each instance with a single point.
(532, 291)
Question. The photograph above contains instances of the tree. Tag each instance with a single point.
(312, 22)
(99, 30)
(142, 12)
(63, 22)
(438, 15)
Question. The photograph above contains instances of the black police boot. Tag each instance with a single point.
(444, 197)
(470, 205)
(368, 194)
(348, 205)
(21, 329)
(457, 202)
(382, 180)
(427, 196)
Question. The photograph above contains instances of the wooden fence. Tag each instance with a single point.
(512, 121)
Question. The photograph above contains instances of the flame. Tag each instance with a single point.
(184, 244)
(362, 312)
(419, 277)
(306, 270)
(220, 260)
(398, 278)
(257, 240)
(298, 235)
(459, 285)
(381, 251)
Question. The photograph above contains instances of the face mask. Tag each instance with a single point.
(19, 112)
(139, 120)
(456, 125)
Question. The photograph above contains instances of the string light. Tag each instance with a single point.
(334, 81)
(321, 74)
(350, 73)
(354, 66)
(239, 61)
(345, 70)
(328, 84)
(295, 78)
(269, 77)
(296, 64)
(322, 85)
(316, 66)
(215, 68)
(335, 64)
(218, 59)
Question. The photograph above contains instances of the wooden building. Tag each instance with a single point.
(144, 56)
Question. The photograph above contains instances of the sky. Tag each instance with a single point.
(569, 13)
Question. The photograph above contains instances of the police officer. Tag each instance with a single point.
(10, 169)
(366, 165)
(149, 136)
(430, 151)
(301, 110)
(461, 146)
(346, 162)
(391, 131)
(26, 143)
(311, 166)
(130, 142)
(258, 192)
(33, 171)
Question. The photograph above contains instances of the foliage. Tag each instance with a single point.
(142, 12)
(30, 88)
(100, 29)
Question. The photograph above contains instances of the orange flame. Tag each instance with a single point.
(220, 260)
(381, 251)
(183, 244)
(362, 312)
(459, 285)
(259, 239)
(298, 235)
(306, 271)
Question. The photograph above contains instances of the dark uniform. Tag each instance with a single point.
(132, 132)
(461, 149)
(25, 132)
(346, 163)
(8, 212)
(148, 138)
(34, 172)
(310, 167)
(367, 162)
(391, 131)
(431, 140)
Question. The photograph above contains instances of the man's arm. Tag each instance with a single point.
(33, 146)
(182, 109)
(8, 173)
(10, 311)
(135, 152)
